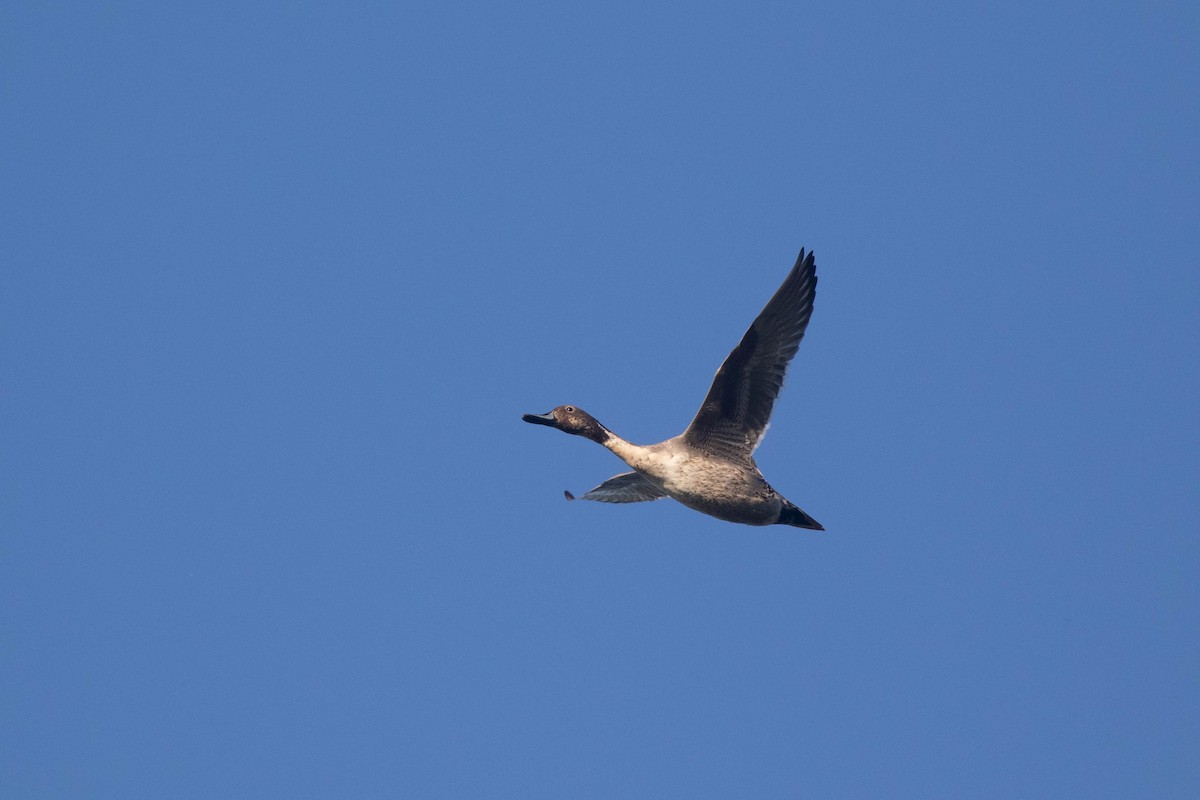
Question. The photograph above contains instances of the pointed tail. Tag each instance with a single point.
(791, 515)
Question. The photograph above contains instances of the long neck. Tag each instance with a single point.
(628, 452)
(592, 429)
(600, 434)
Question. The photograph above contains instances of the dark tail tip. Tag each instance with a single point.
(568, 495)
(790, 515)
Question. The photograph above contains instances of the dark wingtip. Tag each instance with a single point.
(568, 495)
(806, 262)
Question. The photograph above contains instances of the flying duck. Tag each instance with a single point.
(710, 466)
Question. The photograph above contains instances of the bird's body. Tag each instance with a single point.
(709, 484)
(710, 466)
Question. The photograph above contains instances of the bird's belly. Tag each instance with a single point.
(746, 510)
(728, 492)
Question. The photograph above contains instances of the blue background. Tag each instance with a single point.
(279, 280)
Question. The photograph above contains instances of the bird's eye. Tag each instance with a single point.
(569, 409)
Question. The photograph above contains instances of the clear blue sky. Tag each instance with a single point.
(279, 281)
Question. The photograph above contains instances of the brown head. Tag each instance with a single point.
(570, 419)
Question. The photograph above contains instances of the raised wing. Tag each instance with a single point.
(735, 413)
(628, 487)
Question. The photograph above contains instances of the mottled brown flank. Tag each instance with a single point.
(755, 510)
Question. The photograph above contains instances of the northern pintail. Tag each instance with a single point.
(710, 466)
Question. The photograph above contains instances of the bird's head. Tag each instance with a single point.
(570, 419)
